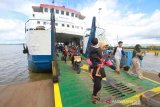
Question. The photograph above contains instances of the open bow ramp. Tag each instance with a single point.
(75, 90)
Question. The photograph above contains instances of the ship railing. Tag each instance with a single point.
(37, 27)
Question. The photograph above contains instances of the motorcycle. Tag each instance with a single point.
(77, 63)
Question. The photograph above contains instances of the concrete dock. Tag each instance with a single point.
(32, 94)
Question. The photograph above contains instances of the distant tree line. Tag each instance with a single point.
(152, 47)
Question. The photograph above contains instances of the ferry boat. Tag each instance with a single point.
(117, 90)
(69, 26)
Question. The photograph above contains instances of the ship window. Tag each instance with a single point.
(72, 26)
(72, 14)
(77, 27)
(50, 10)
(62, 12)
(44, 23)
(76, 15)
(56, 24)
(62, 25)
(38, 22)
(33, 15)
(82, 28)
(31, 29)
(67, 25)
(57, 11)
(46, 9)
(37, 9)
(67, 13)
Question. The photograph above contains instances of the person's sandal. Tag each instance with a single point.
(94, 102)
(91, 76)
(96, 98)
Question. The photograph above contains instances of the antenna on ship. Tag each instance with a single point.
(99, 10)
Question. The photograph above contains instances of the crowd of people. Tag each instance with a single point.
(99, 56)
(68, 52)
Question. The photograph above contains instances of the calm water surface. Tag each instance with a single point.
(13, 66)
(151, 63)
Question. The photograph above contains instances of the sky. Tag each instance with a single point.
(131, 21)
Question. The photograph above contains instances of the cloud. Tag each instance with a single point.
(12, 29)
(130, 26)
(118, 19)
(20, 6)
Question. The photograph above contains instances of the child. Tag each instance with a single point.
(95, 56)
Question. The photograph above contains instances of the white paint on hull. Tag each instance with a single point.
(39, 42)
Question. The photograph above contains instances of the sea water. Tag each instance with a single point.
(14, 66)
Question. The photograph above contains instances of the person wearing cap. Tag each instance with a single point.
(117, 53)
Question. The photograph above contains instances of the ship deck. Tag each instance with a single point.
(75, 90)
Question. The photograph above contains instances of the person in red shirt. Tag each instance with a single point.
(65, 54)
